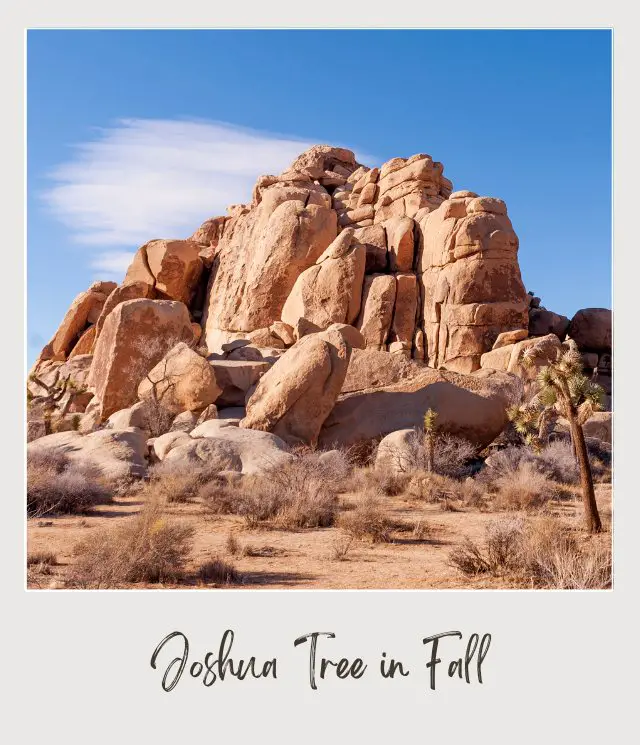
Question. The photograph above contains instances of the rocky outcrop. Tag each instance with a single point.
(172, 268)
(470, 406)
(331, 290)
(471, 280)
(590, 328)
(135, 337)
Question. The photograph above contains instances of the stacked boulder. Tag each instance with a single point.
(312, 313)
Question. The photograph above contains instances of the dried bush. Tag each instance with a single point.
(232, 545)
(340, 547)
(541, 553)
(219, 572)
(293, 495)
(432, 487)
(177, 482)
(558, 462)
(58, 485)
(42, 559)
(453, 456)
(525, 488)
(157, 418)
(367, 521)
(147, 548)
(385, 482)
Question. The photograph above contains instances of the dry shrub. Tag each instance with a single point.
(453, 456)
(541, 553)
(177, 482)
(340, 547)
(58, 485)
(157, 418)
(41, 557)
(525, 488)
(147, 548)
(232, 545)
(387, 483)
(368, 521)
(219, 572)
(432, 487)
(421, 530)
(294, 495)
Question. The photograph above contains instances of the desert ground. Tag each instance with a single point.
(414, 552)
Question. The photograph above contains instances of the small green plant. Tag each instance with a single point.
(430, 424)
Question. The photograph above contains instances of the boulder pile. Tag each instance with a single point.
(334, 307)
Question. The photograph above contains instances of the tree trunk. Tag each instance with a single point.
(592, 518)
(429, 452)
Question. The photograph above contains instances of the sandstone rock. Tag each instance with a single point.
(208, 413)
(376, 313)
(283, 331)
(119, 454)
(590, 328)
(166, 442)
(84, 344)
(172, 268)
(181, 380)
(507, 338)
(211, 427)
(405, 309)
(374, 240)
(590, 360)
(233, 413)
(184, 422)
(86, 304)
(399, 232)
(598, 426)
(395, 451)
(235, 377)
(373, 369)
(543, 322)
(331, 290)
(134, 416)
(469, 406)
(261, 255)
(135, 337)
(295, 396)
(233, 449)
(131, 291)
(472, 285)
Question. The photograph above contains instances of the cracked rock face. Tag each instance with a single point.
(471, 280)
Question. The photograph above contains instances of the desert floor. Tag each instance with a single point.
(304, 559)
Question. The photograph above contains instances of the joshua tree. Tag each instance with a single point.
(430, 418)
(563, 387)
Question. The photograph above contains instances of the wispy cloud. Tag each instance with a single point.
(143, 178)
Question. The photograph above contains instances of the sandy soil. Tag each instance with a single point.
(303, 559)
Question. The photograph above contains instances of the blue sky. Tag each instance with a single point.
(134, 135)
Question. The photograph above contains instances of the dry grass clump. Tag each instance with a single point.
(386, 482)
(219, 572)
(452, 456)
(432, 487)
(177, 483)
(58, 485)
(47, 558)
(541, 554)
(296, 495)
(340, 547)
(148, 548)
(525, 488)
(368, 521)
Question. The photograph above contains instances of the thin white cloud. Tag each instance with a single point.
(112, 264)
(145, 178)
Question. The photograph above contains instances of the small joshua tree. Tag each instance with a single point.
(430, 418)
(564, 388)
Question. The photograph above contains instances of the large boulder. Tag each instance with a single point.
(236, 377)
(135, 337)
(181, 381)
(331, 290)
(263, 249)
(131, 291)
(473, 290)
(84, 311)
(229, 449)
(470, 406)
(370, 368)
(543, 322)
(294, 398)
(118, 454)
(172, 268)
(376, 313)
(590, 328)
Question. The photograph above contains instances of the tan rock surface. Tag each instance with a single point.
(376, 313)
(135, 337)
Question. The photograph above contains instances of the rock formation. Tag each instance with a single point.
(336, 305)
